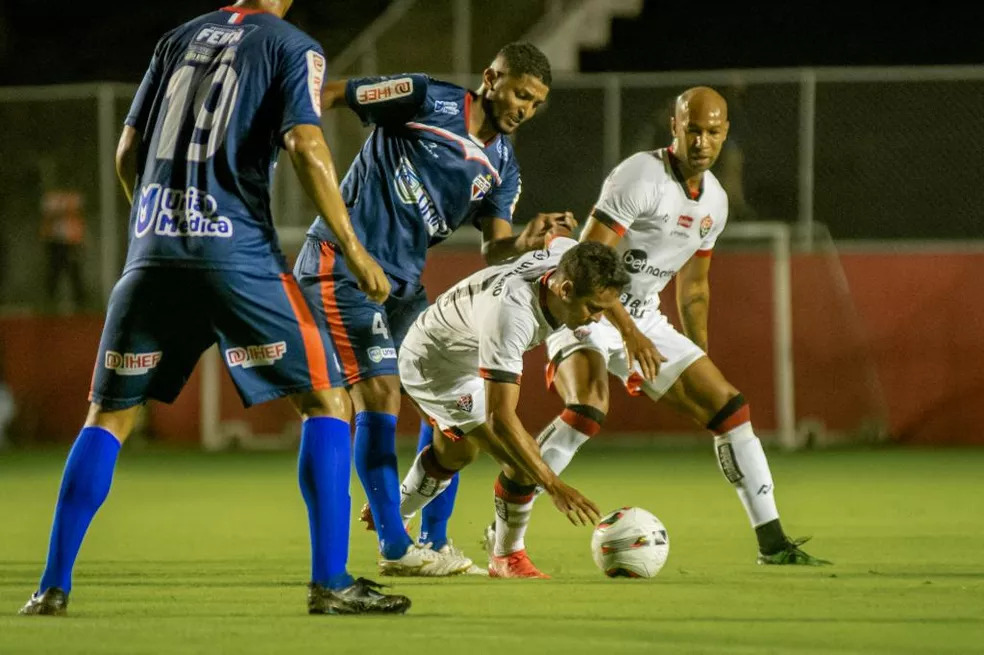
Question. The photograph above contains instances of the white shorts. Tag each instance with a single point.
(451, 395)
(602, 337)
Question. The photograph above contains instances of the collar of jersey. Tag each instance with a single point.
(679, 176)
(243, 10)
(544, 290)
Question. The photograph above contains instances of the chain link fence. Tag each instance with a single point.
(874, 154)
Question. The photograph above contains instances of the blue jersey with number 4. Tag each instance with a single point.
(420, 174)
(212, 110)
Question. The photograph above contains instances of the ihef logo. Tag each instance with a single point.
(250, 356)
(315, 76)
(382, 91)
(131, 363)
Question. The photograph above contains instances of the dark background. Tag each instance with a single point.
(55, 42)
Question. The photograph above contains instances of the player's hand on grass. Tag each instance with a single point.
(534, 235)
(578, 509)
(639, 348)
(372, 280)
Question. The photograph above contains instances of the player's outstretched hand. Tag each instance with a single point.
(534, 235)
(639, 348)
(578, 509)
(372, 280)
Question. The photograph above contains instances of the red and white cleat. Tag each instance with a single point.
(514, 565)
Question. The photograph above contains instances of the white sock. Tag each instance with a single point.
(559, 441)
(513, 508)
(742, 461)
(420, 486)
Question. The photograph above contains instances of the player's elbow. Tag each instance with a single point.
(304, 141)
(126, 150)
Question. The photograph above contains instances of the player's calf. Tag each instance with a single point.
(430, 474)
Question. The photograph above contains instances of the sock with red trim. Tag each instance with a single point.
(513, 507)
(742, 461)
(560, 440)
(425, 480)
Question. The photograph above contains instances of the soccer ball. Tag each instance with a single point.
(630, 543)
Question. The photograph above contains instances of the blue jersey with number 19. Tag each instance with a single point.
(212, 109)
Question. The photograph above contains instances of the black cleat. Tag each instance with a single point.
(360, 597)
(53, 602)
(792, 554)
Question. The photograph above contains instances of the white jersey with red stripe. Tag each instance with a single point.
(483, 325)
(645, 199)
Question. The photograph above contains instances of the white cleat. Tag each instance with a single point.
(425, 562)
(488, 540)
(473, 569)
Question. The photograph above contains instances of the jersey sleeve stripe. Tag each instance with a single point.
(471, 151)
(350, 365)
(608, 221)
(496, 375)
(704, 253)
(314, 349)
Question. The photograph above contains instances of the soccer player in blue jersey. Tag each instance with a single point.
(223, 94)
(438, 158)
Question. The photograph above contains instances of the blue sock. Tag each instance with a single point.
(323, 471)
(434, 517)
(375, 461)
(85, 485)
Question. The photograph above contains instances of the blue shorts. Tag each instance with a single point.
(160, 320)
(366, 335)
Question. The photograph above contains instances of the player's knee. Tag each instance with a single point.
(377, 394)
(593, 394)
(455, 455)
(118, 423)
(333, 403)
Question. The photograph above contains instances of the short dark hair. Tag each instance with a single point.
(526, 59)
(591, 266)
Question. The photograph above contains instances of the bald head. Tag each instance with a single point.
(700, 127)
(701, 101)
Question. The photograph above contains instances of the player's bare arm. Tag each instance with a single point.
(333, 94)
(520, 450)
(693, 296)
(638, 346)
(126, 160)
(312, 160)
(500, 244)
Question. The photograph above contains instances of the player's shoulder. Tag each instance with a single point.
(645, 167)
(288, 35)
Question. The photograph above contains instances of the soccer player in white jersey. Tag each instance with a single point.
(462, 361)
(663, 211)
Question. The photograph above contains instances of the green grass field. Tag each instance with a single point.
(209, 554)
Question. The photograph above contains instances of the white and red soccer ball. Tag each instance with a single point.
(630, 543)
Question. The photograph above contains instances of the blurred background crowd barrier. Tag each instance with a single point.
(865, 314)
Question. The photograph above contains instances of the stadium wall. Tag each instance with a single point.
(895, 334)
